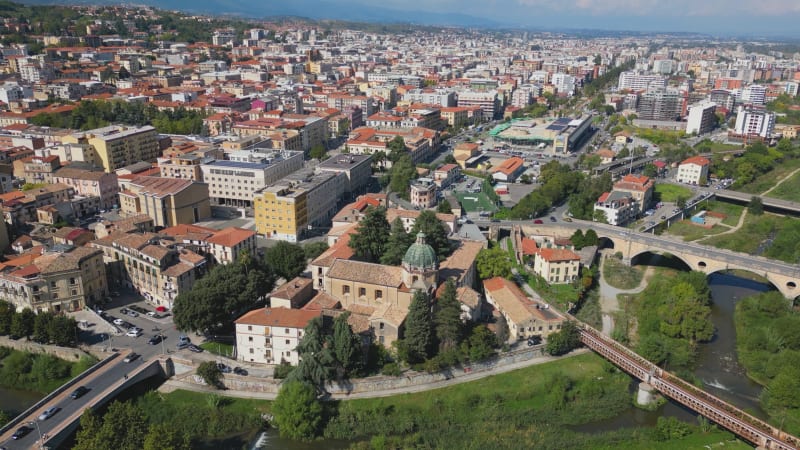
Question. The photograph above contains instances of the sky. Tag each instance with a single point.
(731, 17)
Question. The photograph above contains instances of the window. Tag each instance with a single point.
(381, 325)
(72, 281)
(252, 351)
(52, 284)
(250, 339)
(286, 330)
(362, 292)
(249, 328)
(378, 293)
(345, 289)
(287, 342)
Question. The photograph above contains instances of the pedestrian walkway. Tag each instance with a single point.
(457, 378)
(609, 295)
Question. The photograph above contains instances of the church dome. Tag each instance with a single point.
(420, 255)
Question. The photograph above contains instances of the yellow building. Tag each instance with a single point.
(118, 146)
(168, 201)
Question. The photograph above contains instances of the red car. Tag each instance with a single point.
(538, 221)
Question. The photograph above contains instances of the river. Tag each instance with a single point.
(716, 366)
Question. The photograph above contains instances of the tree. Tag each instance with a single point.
(481, 343)
(598, 60)
(403, 171)
(317, 152)
(418, 336)
(449, 159)
(685, 314)
(369, 240)
(444, 207)
(209, 372)
(122, 427)
(577, 239)
(297, 411)
(223, 294)
(397, 149)
(346, 345)
(163, 436)
(435, 234)
(564, 340)
(123, 73)
(650, 170)
(288, 260)
(493, 262)
(22, 324)
(62, 331)
(680, 202)
(449, 327)
(316, 361)
(590, 238)
(398, 244)
(7, 312)
(314, 249)
(756, 206)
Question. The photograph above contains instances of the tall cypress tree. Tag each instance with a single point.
(418, 335)
(398, 244)
(346, 345)
(369, 242)
(449, 328)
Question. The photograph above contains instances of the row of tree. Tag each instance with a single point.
(376, 240)
(99, 113)
(558, 181)
(44, 328)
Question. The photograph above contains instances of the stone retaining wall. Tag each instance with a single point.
(67, 353)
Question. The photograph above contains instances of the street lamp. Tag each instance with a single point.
(38, 430)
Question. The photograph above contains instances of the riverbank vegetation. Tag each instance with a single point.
(768, 346)
(44, 328)
(666, 321)
(621, 276)
(37, 371)
(766, 235)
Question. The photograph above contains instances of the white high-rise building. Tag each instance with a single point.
(755, 94)
(638, 82)
(754, 122)
(702, 117)
(564, 83)
(791, 88)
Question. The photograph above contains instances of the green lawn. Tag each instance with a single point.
(475, 202)
(788, 190)
(621, 276)
(690, 232)
(757, 229)
(670, 192)
(218, 348)
(769, 179)
(729, 209)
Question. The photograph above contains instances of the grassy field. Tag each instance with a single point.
(729, 209)
(690, 232)
(620, 276)
(669, 192)
(769, 179)
(788, 190)
(752, 237)
(218, 348)
(475, 202)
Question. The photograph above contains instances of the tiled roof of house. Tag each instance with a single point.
(278, 317)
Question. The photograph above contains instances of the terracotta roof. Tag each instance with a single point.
(366, 272)
(161, 187)
(529, 246)
(278, 317)
(322, 301)
(510, 165)
(699, 160)
(291, 288)
(558, 254)
(230, 237)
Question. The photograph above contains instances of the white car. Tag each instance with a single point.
(118, 321)
(151, 313)
(134, 332)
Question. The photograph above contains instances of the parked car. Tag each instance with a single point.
(183, 339)
(538, 221)
(21, 432)
(553, 219)
(133, 314)
(151, 313)
(133, 356)
(118, 321)
(567, 219)
(123, 311)
(194, 348)
(79, 392)
(223, 368)
(134, 332)
(156, 339)
(239, 371)
(49, 412)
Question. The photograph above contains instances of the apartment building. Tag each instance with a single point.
(156, 268)
(526, 317)
(186, 167)
(234, 183)
(557, 265)
(441, 97)
(693, 170)
(118, 146)
(637, 81)
(702, 118)
(90, 182)
(37, 169)
(486, 100)
(455, 116)
(287, 209)
(55, 282)
(660, 104)
(357, 169)
(752, 122)
(618, 208)
(420, 142)
(640, 188)
(169, 201)
(271, 335)
(21, 207)
(423, 193)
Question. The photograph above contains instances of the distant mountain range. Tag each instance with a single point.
(312, 9)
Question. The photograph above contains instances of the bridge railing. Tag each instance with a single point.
(55, 393)
(692, 390)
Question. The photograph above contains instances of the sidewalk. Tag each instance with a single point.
(456, 378)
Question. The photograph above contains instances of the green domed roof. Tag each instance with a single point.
(420, 255)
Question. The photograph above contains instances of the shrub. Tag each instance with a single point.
(391, 370)
(210, 373)
(282, 370)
